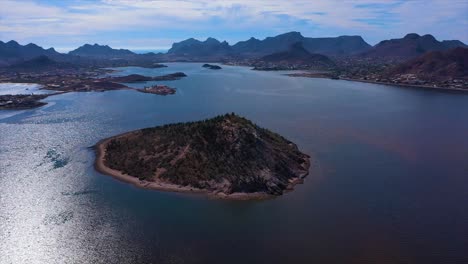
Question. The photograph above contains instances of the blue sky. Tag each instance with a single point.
(156, 24)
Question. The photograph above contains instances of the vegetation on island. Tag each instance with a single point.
(228, 154)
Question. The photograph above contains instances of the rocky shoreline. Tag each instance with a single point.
(325, 75)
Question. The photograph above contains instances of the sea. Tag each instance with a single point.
(388, 181)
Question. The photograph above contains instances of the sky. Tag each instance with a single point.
(156, 24)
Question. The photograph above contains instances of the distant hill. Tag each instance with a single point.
(436, 65)
(412, 45)
(191, 47)
(255, 47)
(40, 63)
(97, 50)
(298, 55)
(11, 52)
(344, 45)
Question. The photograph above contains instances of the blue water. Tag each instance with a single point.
(388, 182)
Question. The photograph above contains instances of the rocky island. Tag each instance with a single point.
(134, 78)
(211, 66)
(227, 156)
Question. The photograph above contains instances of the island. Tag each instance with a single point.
(211, 66)
(227, 157)
(85, 83)
(134, 78)
(158, 89)
(155, 66)
(21, 101)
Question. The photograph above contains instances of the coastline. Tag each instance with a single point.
(323, 76)
(100, 149)
(407, 85)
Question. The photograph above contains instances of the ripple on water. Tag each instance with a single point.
(58, 219)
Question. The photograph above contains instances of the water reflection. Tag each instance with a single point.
(388, 180)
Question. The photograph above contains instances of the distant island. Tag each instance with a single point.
(134, 78)
(212, 67)
(227, 156)
(86, 83)
(158, 89)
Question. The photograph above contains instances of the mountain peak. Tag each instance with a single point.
(429, 37)
(99, 50)
(292, 36)
(410, 46)
(211, 40)
(12, 42)
(412, 36)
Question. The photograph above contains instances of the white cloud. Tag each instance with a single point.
(31, 20)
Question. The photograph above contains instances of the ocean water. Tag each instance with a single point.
(388, 181)
(21, 88)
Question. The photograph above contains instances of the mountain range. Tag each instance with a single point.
(11, 52)
(410, 46)
(97, 50)
(436, 65)
(298, 55)
(40, 64)
(343, 45)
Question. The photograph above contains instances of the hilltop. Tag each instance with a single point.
(97, 50)
(213, 49)
(410, 46)
(297, 56)
(12, 52)
(40, 64)
(226, 155)
(435, 66)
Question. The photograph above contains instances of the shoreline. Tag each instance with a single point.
(407, 85)
(320, 76)
(100, 150)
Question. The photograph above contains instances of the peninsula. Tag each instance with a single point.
(21, 101)
(227, 156)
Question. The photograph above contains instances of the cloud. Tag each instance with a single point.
(72, 21)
